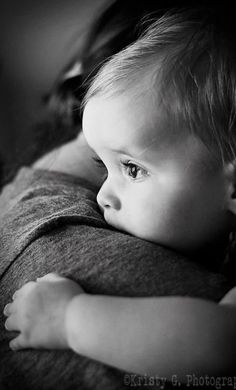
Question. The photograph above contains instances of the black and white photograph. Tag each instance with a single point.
(117, 194)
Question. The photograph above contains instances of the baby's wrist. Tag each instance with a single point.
(75, 322)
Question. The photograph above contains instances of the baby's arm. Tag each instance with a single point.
(154, 336)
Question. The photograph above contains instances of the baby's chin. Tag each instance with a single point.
(143, 234)
(111, 221)
(118, 225)
(123, 227)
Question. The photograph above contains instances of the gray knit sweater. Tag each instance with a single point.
(50, 222)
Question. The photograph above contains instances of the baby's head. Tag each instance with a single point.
(161, 117)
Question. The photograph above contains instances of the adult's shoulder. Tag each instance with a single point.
(50, 222)
(37, 202)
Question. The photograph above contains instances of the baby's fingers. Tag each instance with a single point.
(19, 342)
(24, 290)
(51, 277)
(11, 323)
(8, 310)
(16, 294)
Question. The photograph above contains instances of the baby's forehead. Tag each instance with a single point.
(130, 118)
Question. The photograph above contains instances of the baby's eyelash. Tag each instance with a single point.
(133, 170)
(128, 163)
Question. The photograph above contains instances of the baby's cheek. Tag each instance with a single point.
(167, 219)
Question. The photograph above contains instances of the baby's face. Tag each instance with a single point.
(158, 185)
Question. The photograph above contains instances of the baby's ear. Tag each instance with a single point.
(230, 171)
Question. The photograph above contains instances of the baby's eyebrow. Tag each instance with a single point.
(134, 152)
(147, 147)
(120, 150)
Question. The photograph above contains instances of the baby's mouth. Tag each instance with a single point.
(111, 219)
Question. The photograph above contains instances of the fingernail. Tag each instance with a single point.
(14, 295)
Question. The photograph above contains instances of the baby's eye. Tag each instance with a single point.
(134, 171)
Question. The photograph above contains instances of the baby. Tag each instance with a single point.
(160, 116)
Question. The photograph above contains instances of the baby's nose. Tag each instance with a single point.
(107, 198)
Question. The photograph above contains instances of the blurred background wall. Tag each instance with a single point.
(37, 38)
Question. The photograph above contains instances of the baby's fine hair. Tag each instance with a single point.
(190, 56)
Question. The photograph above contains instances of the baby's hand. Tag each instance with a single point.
(38, 312)
(229, 298)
